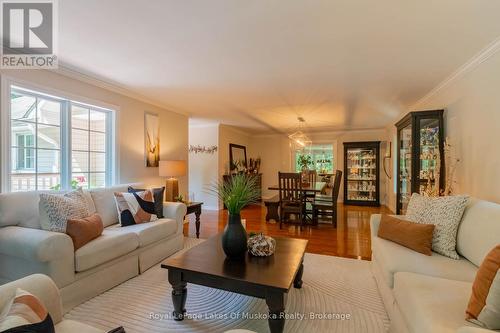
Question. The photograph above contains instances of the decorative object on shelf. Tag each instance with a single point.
(152, 139)
(172, 169)
(361, 173)
(237, 158)
(451, 163)
(254, 165)
(420, 156)
(260, 245)
(236, 192)
(198, 149)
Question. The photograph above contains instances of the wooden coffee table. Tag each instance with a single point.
(269, 278)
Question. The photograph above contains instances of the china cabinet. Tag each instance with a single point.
(361, 173)
(420, 156)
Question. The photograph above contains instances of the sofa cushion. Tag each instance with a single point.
(415, 296)
(395, 258)
(149, 232)
(479, 230)
(108, 246)
(104, 201)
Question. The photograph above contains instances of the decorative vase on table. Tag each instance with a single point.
(234, 237)
(236, 192)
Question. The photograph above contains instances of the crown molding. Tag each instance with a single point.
(72, 73)
(470, 65)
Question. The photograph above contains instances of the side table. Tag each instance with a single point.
(195, 207)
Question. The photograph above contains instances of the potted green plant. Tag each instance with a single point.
(304, 161)
(236, 192)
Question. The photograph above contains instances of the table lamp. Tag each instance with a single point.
(172, 169)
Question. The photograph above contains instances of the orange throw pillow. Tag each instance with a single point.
(84, 230)
(415, 236)
(484, 303)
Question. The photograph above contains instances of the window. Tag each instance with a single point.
(57, 143)
(320, 157)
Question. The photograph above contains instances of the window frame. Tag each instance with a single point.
(8, 84)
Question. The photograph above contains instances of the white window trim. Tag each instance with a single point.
(7, 82)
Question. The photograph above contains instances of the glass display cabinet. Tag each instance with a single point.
(361, 173)
(420, 150)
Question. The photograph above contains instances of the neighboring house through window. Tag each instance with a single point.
(56, 143)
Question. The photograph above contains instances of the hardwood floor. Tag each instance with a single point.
(351, 238)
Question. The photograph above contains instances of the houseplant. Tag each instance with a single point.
(236, 192)
(304, 161)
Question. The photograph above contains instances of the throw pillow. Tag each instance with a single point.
(25, 313)
(484, 304)
(415, 236)
(135, 207)
(59, 208)
(445, 213)
(82, 231)
(158, 195)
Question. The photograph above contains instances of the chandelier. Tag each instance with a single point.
(298, 138)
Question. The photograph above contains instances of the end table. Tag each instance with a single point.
(195, 207)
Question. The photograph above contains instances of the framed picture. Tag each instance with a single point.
(152, 139)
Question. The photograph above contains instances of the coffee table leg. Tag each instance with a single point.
(297, 282)
(276, 304)
(179, 293)
(197, 214)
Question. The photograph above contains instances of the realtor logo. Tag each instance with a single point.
(28, 34)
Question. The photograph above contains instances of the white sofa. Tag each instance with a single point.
(47, 292)
(430, 293)
(116, 256)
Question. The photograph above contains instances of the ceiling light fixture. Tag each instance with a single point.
(298, 138)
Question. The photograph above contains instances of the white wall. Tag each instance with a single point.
(204, 168)
(130, 125)
(472, 123)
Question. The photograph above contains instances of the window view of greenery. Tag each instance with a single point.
(319, 158)
(37, 124)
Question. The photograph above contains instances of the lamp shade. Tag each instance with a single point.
(172, 168)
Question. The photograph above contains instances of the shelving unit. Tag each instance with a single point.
(361, 173)
(420, 149)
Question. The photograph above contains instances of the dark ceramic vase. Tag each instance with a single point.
(234, 238)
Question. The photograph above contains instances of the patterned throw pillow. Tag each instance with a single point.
(60, 208)
(484, 303)
(135, 207)
(158, 195)
(445, 213)
(25, 313)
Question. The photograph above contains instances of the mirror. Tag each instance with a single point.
(237, 157)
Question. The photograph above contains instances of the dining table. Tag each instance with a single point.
(316, 187)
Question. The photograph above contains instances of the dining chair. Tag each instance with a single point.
(325, 205)
(291, 200)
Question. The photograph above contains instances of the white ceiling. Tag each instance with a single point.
(340, 64)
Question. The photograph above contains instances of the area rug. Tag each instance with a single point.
(338, 295)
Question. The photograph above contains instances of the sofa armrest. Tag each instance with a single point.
(471, 329)
(176, 211)
(34, 244)
(39, 285)
(374, 224)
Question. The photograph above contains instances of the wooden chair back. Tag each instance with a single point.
(290, 187)
(312, 176)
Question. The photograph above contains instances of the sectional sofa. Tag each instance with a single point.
(430, 293)
(119, 254)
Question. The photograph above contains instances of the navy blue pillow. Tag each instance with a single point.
(45, 326)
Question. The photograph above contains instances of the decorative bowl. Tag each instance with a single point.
(261, 246)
